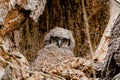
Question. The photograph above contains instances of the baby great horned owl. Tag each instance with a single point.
(58, 44)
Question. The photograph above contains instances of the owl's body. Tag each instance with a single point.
(57, 46)
(49, 55)
(112, 65)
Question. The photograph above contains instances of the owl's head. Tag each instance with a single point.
(61, 37)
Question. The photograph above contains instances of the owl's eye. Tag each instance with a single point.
(53, 39)
(66, 41)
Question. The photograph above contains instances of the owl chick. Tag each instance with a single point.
(61, 37)
(58, 45)
(112, 66)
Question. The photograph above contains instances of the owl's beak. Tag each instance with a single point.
(59, 43)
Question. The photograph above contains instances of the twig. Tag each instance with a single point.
(88, 36)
